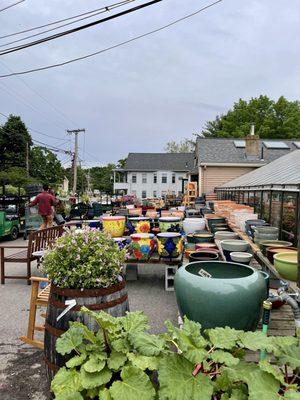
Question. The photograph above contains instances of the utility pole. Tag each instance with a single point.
(27, 159)
(75, 159)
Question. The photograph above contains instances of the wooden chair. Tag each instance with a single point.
(38, 240)
(39, 298)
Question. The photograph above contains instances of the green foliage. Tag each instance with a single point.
(45, 166)
(14, 138)
(101, 178)
(184, 146)
(272, 119)
(84, 259)
(122, 361)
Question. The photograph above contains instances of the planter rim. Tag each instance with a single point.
(142, 236)
(87, 292)
(220, 262)
(168, 234)
(138, 218)
(169, 219)
(291, 257)
(275, 243)
(234, 241)
(114, 218)
(240, 254)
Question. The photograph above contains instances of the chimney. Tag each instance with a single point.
(252, 145)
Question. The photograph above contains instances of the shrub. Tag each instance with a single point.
(84, 259)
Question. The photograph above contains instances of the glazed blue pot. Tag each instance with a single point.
(232, 297)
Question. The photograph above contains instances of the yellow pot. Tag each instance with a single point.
(115, 226)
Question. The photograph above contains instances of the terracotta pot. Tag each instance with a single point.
(114, 225)
(135, 211)
(271, 251)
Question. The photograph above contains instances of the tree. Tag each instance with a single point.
(184, 146)
(272, 119)
(101, 178)
(14, 139)
(121, 163)
(45, 166)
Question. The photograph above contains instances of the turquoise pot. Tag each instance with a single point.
(232, 297)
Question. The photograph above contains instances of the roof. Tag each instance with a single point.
(159, 161)
(283, 171)
(223, 150)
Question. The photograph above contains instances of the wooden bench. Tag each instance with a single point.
(38, 240)
(39, 298)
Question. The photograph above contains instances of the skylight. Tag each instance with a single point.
(239, 143)
(297, 144)
(275, 145)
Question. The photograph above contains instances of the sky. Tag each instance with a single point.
(163, 87)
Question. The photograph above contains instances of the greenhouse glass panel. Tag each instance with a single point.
(289, 217)
(276, 209)
(266, 206)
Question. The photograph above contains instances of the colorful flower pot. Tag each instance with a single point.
(121, 242)
(203, 255)
(286, 264)
(232, 297)
(190, 225)
(142, 245)
(138, 225)
(114, 225)
(170, 224)
(169, 244)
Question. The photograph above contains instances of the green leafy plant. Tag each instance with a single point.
(122, 361)
(85, 259)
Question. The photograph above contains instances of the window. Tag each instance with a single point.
(154, 193)
(164, 177)
(297, 144)
(276, 209)
(133, 179)
(173, 178)
(266, 206)
(239, 143)
(144, 178)
(289, 217)
(275, 145)
(133, 192)
(163, 193)
(155, 178)
(144, 194)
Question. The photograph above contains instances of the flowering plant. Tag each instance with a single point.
(84, 259)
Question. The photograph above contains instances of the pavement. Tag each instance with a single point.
(22, 374)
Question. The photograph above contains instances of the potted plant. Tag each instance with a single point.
(85, 269)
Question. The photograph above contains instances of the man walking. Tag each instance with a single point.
(45, 202)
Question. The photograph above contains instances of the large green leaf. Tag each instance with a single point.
(95, 379)
(95, 363)
(146, 344)
(223, 338)
(261, 384)
(70, 340)
(143, 362)
(178, 383)
(255, 341)
(116, 360)
(76, 361)
(223, 357)
(69, 396)
(292, 395)
(104, 394)
(66, 381)
(236, 394)
(273, 370)
(135, 322)
(291, 356)
(111, 324)
(135, 385)
(121, 345)
(88, 335)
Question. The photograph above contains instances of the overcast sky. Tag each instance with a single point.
(163, 87)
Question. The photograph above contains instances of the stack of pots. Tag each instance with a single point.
(236, 250)
(250, 224)
(264, 244)
(265, 233)
(215, 221)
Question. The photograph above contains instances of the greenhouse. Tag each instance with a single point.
(274, 192)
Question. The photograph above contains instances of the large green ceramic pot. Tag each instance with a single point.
(232, 297)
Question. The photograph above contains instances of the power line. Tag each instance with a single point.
(58, 21)
(53, 148)
(103, 10)
(29, 71)
(79, 28)
(39, 95)
(11, 5)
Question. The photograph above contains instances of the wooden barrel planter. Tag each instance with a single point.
(113, 300)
